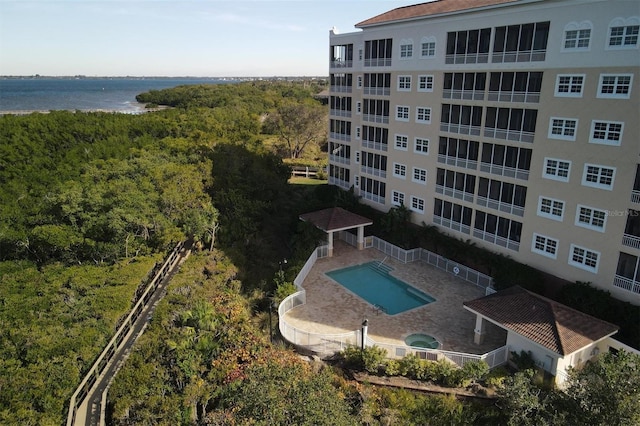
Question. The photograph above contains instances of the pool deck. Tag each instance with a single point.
(332, 309)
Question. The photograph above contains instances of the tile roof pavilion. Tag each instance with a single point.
(337, 219)
(429, 9)
(553, 325)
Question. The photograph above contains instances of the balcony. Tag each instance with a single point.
(340, 89)
(510, 135)
(467, 58)
(463, 129)
(497, 240)
(525, 97)
(378, 146)
(340, 136)
(448, 223)
(627, 284)
(455, 193)
(341, 63)
(499, 170)
(521, 56)
(379, 91)
(469, 95)
(383, 119)
(373, 171)
(377, 62)
(500, 206)
(635, 196)
(339, 182)
(458, 162)
(631, 241)
(340, 113)
(336, 159)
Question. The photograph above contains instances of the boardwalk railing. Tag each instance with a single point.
(331, 343)
(114, 344)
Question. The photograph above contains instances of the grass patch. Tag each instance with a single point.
(297, 180)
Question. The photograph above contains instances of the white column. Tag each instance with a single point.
(365, 328)
(330, 243)
(478, 335)
(360, 237)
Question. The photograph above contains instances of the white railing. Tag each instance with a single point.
(467, 58)
(631, 241)
(635, 196)
(511, 135)
(448, 223)
(464, 129)
(455, 193)
(504, 171)
(626, 283)
(497, 239)
(470, 95)
(118, 338)
(379, 146)
(380, 91)
(331, 343)
(499, 205)
(458, 162)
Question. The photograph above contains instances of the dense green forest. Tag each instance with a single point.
(91, 201)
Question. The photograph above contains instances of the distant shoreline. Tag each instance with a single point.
(142, 110)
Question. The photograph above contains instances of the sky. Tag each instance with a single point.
(200, 38)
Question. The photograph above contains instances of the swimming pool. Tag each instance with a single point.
(372, 282)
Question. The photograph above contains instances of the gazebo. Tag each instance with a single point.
(337, 219)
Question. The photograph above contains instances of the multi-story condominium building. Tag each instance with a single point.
(512, 123)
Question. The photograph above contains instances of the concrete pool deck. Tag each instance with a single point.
(332, 309)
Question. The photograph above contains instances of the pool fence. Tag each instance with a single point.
(327, 344)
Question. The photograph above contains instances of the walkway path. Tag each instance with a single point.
(92, 411)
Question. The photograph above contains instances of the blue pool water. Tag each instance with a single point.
(373, 284)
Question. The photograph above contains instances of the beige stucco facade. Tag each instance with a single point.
(423, 112)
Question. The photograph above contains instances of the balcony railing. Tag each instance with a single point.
(377, 62)
(500, 206)
(340, 89)
(510, 135)
(448, 223)
(627, 283)
(533, 97)
(497, 240)
(379, 146)
(455, 193)
(635, 196)
(464, 129)
(340, 136)
(521, 56)
(372, 118)
(468, 58)
(379, 91)
(470, 95)
(341, 63)
(336, 159)
(372, 197)
(339, 182)
(340, 113)
(504, 171)
(631, 241)
(373, 171)
(458, 162)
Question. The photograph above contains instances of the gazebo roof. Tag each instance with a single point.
(335, 219)
(553, 325)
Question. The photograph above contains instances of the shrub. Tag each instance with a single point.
(496, 377)
(373, 358)
(392, 367)
(475, 370)
(523, 360)
(410, 366)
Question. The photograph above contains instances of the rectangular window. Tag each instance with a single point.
(421, 146)
(591, 218)
(397, 198)
(404, 83)
(402, 113)
(570, 86)
(497, 230)
(544, 245)
(358, 132)
(419, 175)
(428, 49)
(468, 47)
(359, 107)
(624, 36)
(583, 258)
(423, 115)
(577, 39)
(563, 128)
(373, 190)
(615, 86)
(425, 83)
(550, 208)
(506, 160)
(417, 204)
(556, 169)
(606, 132)
(504, 196)
(359, 82)
(597, 176)
(402, 142)
(399, 170)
